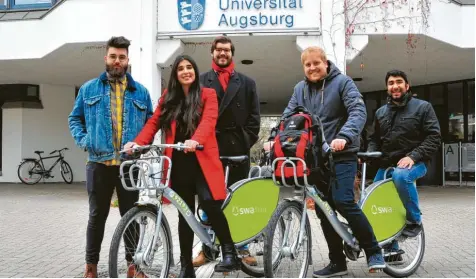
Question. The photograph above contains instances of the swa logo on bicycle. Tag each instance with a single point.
(381, 209)
(247, 210)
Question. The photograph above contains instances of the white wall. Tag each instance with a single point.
(26, 130)
(47, 129)
(73, 21)
(11, 143)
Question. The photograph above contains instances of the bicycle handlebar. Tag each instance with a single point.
(146, 148)
(59, 150)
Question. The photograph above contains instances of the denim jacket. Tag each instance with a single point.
(90, 122)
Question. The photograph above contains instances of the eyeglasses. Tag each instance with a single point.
(219, 50)
(121, 58)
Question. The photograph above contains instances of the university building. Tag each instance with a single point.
(49, 48)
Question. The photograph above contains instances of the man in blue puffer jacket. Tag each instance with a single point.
(335, 99)
(109, 111)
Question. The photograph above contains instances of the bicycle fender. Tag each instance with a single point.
(293, 200)
(167, 228)
(29, 159)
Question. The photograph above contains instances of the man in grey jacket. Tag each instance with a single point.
(335, 99)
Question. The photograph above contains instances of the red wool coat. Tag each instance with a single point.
(209, 159)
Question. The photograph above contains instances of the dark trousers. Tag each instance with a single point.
(342, 199)
(190, 185)
(237, 173)
(100, 183)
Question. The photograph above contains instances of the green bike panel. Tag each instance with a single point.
(250, 208)
(385, 211)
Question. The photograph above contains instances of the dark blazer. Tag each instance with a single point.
(238, 115)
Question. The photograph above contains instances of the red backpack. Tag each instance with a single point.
(299, 134)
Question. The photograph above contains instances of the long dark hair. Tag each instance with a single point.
(185, 109)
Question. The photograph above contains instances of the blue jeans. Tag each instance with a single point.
(404, 180)
(342, 200)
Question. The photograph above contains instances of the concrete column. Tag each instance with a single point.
(332, 39)
(12, 139)
(143, 55)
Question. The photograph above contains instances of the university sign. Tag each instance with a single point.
(202, 17)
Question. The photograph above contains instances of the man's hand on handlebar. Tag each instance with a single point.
(190, 146)
(338, 144)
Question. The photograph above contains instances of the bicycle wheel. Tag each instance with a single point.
(404, 255)
(30, 172)
(284, 256)
(137, 227)
(256, 250)
(66, 172)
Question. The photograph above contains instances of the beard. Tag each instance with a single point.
(227, 63)
(116, 73)
(399, 99)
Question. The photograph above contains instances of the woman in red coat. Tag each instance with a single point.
(188, 113)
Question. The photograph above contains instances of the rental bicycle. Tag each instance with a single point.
(379, 202)
(31, 170)
(143, 239)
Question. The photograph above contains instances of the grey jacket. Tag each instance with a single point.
(337, 102)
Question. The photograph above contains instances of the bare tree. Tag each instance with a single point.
(267, 123)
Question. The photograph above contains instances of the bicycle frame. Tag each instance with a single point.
(60, 158)
(324, 206)
(153, 193)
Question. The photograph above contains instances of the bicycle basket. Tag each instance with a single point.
(145, 173)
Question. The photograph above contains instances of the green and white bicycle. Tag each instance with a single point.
(288, 248)
(142, 241)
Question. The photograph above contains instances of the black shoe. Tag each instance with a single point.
(412, 230)
(331, 270)
(394, 259)
(230, 260)
(186, 270)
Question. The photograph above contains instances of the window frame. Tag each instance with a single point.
(12, 6)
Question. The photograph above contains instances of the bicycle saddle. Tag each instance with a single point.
(39, 152)
(375, 154)
(229, 160)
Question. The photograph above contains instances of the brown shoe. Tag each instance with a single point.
(91, 271)
(134, 272)
(200, 260)
(247, 259)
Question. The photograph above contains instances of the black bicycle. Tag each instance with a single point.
(32, 170)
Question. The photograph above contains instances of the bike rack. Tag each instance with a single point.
(147, 173)
(286, 161)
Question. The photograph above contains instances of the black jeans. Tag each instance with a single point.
(100, 183)
(186, 186)
(342, 199)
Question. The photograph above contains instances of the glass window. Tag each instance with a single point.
(383, 97)
(371, 103)
(455, 112)
(418, 92)
(471, 135)
(31, 2)
(436, 95)
(3, 3)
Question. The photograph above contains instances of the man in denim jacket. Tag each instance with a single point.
(109, 111)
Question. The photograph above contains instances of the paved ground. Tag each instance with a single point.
(42, 232)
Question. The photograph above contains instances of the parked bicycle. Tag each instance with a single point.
(31, 170)
(381, 205)
(143, 236)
